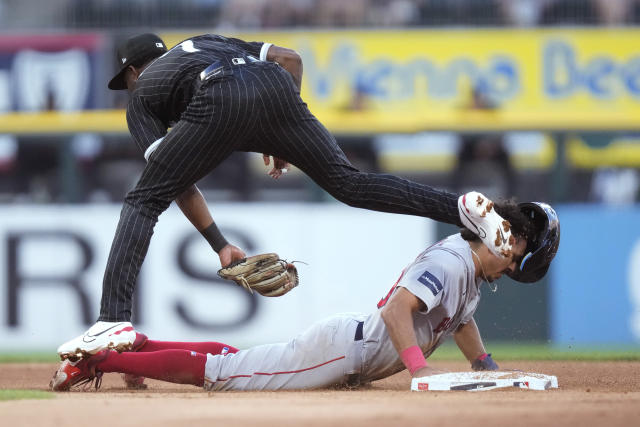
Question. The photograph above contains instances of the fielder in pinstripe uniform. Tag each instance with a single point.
(221, 95)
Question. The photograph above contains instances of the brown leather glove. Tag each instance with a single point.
(266, 274)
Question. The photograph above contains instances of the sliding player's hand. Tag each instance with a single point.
(427, 371)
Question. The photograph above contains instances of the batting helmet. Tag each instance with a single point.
(542, 244)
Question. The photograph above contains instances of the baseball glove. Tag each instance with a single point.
(266, 274)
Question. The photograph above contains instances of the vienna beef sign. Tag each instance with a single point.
(405, 78)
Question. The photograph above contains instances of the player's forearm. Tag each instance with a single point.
(400, 328)
(194, 207)
(469, 341)
(289, 60)
(398, 319)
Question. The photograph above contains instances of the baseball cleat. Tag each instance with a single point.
(118, 336)
(477, 214)
(136, 382)
(78, 373)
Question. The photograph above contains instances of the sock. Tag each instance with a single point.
(200, 347)
(176, 366)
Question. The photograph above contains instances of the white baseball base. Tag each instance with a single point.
(484, 380)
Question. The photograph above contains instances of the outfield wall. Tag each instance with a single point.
(53, 258)
(595, 291)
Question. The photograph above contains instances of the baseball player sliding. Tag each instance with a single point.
(435, 296)
(219, 95)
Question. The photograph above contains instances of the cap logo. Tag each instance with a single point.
(124, 60)
(159, 45)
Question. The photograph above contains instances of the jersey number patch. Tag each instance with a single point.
(431, 282)
(188, 46)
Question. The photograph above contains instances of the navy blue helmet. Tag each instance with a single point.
(542, 243)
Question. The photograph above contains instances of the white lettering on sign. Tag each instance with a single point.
(51, 80)
(54, 256)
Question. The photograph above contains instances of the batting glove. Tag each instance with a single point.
(484, 363)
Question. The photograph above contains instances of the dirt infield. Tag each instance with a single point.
(590, 393)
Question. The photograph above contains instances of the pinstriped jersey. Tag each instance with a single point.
(443, 277)
(166, 85)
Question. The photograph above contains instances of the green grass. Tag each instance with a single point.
(448, 351)
(32, 357)
(528, 351)
(10, 394)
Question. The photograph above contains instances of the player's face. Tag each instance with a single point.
(496, 267)
(131, 77)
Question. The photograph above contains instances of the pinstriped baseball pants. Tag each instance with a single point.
(253, 107)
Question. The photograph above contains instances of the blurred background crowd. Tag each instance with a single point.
(279, 14)
(100, 167)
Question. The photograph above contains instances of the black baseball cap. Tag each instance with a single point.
(136, 51)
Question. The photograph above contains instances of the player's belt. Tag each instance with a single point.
(359, 329)
(216, 69)
(223, 67)
(353, 379)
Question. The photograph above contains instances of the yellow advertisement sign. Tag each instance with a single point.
(376, 81)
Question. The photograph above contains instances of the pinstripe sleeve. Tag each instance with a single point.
(144, 126)
(252, 48)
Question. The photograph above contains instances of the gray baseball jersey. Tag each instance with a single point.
(443, 277)
(352, 347)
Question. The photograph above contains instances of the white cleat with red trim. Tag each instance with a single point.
(477, 214)
(118, 336)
